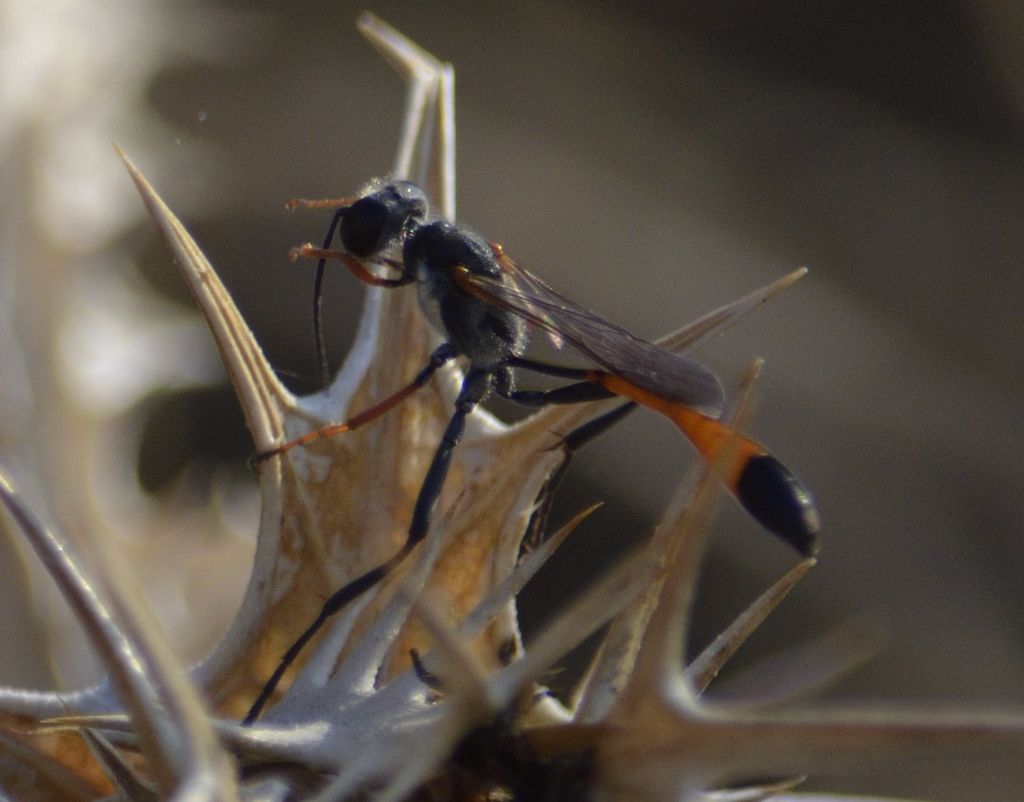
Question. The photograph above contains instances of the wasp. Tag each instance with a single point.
(483, 305)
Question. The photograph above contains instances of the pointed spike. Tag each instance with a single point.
(127, 668)
(129, 785)
(407, 57)
(259, 391)
(597, 605)
(808, 667)
(706, 667)
(504, 593)
(721, 319)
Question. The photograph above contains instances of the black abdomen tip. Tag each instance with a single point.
(777, 500)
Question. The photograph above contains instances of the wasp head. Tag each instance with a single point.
(383, 218)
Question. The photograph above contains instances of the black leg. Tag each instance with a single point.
(582, 435)
(571, 443)
(580, 374)
(570, 394)
(475, 387)
(584, 389)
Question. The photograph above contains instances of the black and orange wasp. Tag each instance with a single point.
(482, 303)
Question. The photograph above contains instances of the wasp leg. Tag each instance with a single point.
(475, 387)
(440, 356)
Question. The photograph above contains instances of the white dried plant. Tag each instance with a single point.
(84, 341)
(356, 720)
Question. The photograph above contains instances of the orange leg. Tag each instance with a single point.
(442, 355)
(319, 203)
(355, 266)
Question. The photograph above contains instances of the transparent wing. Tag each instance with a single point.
(672, 376)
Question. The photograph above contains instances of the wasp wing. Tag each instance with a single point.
(672, 376)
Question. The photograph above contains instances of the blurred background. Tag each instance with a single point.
(653, 162)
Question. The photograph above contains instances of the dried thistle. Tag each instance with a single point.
(471, 722)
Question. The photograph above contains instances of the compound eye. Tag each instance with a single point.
(365, 227)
